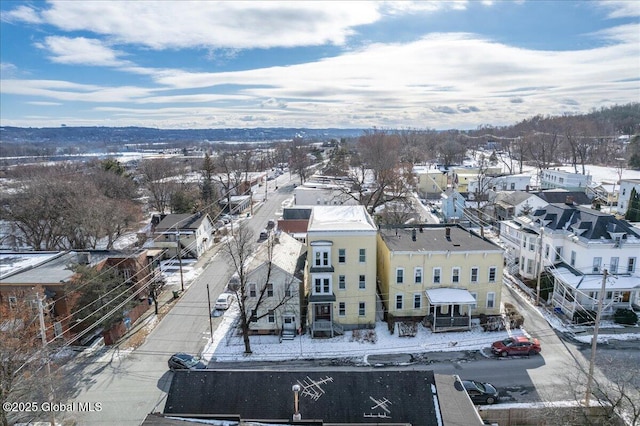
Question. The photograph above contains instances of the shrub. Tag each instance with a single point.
(584, 316)
(625, 316)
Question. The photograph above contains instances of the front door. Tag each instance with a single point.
(322, 312)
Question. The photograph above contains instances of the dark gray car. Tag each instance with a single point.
(481, 393)
(183, 361)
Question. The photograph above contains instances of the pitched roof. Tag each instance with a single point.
(512, 198)
(379, 396)
(588, 223)
(180, 221)
(561, 196)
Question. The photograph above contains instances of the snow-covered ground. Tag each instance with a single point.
(228, 346)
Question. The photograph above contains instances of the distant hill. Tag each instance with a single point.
(122, 135)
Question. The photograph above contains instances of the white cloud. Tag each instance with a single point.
(164, 25)
(42, 103)
(80, 51)
(22, 13)
(8, 69)
(620, 8)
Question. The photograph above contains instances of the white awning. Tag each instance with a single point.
(448, 296)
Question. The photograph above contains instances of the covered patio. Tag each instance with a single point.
(449, 309)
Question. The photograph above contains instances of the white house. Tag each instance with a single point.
(626, 185)
(519, 182)
(561, 237)
(192, 232)
(324, 194)
(277, 285)
(560, 179)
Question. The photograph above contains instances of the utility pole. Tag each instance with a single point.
(594, 339)
(539, 267)
(210, 321)
(180, 261)
(43, 335)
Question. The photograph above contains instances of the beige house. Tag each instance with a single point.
(281, 282)
(340, 274)
(442, 272)
(430, 183)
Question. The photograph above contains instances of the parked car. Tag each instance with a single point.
(271, 224)
(183, 361)
(519, 345)
(481, 393)
(264, 234)
(224, 301)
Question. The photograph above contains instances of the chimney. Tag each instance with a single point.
(569, 200)
(84, 258)
(413, 234)
(447, 231)
(421, 230)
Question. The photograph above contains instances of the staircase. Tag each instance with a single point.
(338, 329)
(288, 334)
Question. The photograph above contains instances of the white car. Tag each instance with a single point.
(224, 301)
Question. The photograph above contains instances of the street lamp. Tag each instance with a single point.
(296, 415)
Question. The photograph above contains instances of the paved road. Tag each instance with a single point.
(130, 385)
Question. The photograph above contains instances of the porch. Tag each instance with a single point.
(321, 322)
(449, 309)
(573, 292)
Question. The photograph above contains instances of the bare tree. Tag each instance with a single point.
(240, 249)
(158, 178)
(299, 160)
(20, 354)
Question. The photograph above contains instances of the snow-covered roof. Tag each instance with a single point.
(340, 218)
(285, 254)
(449, 295)
(594, 282)
(11, 262)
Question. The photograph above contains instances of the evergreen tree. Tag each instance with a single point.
(633, 208)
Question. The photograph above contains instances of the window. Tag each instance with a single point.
(631, 265)
(417, 276)
(597, 263)
(573, 258)
(593, 295)
(417, 301)
(269, 290)
(322, 285)
(342, 255)
(558, 253)
(524, 241)
(546, 251)
(57, 329)
(455, 275)
(363, 255)
(475, 305)
(529, 266)
(321, 257)
(13, 301)
(474, 275)
(399, 275)
(342, 282)
(613, 267)
(399, 301)
(362, 283)
(436, 275)
(492, 274)
(253, 290)
(532, 245)
(271, 317)
(288, 292)
(491, 299)
(522, 263)
(362, 309)
(342, 309)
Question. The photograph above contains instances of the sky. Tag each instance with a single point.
(425, 64)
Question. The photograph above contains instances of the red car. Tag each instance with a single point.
(519, 345)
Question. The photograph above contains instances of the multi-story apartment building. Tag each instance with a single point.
(341, 270)
(442, 272)
(576, 244)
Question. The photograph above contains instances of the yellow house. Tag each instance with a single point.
(442, 272)
(340, 278)
(430, 182)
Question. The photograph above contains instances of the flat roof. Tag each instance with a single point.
(434, 238)
(340, 218)
(52, 270)
(360, 397)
